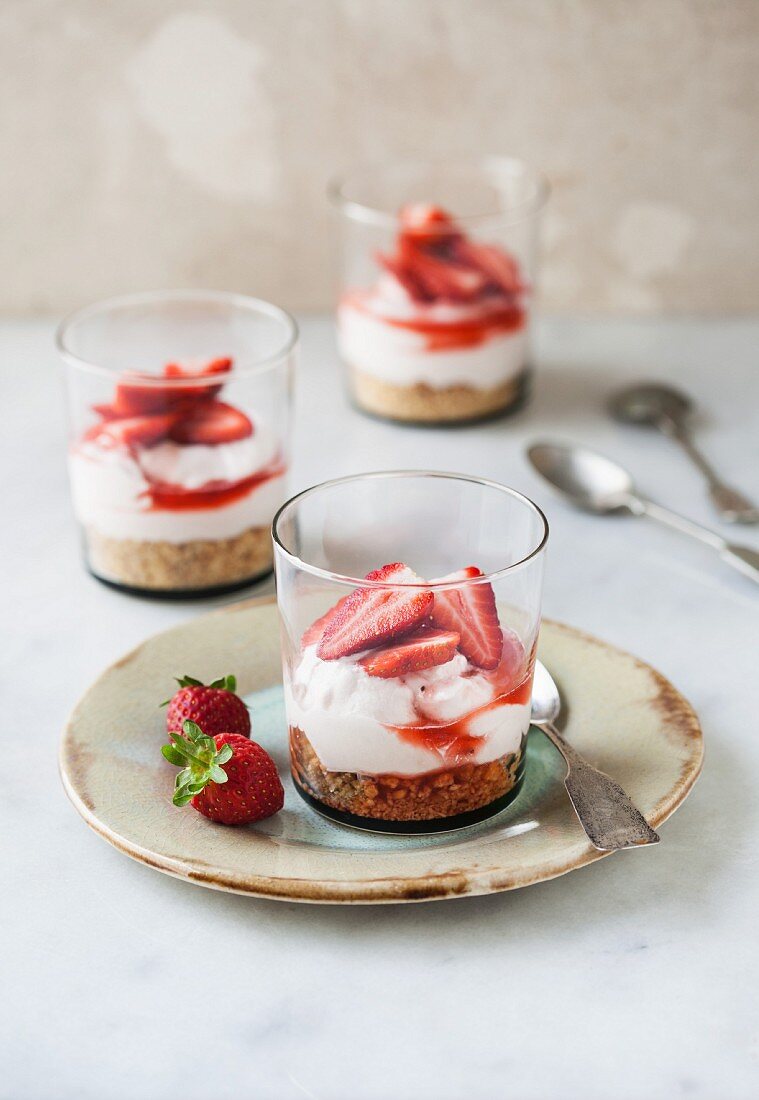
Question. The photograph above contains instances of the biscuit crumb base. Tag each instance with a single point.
(421, 403)
(166, 566)
(439, 794)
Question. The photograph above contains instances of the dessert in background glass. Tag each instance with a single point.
(179, 408)
(409, 605)
(437, 269)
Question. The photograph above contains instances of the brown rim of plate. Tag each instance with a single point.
(674, 708)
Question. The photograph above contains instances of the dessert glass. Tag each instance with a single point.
(437, 266)
(408, 699)
(179, 413)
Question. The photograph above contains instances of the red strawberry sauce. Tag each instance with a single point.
(452, 741)
(450, 335)
(214, 494)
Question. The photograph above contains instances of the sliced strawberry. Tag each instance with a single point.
(414, 652)
(105, 412)
(442, 278)
(315, 631)
(427, 223)
(371, 616)
(215, 366)
(496, 265)
(134, 431)
(136, 399)
(212, 422)
(470, 610)
(405, 277)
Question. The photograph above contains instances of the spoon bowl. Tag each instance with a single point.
(546, 701)
(650, 403)
(591, 480)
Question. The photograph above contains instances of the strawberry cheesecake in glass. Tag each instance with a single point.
(409, 606)
(179, 412)
(436, 287)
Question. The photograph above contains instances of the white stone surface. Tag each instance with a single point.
(633, 977)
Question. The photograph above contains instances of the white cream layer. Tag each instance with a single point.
(345, 713)
(109, 488)
(400, 356)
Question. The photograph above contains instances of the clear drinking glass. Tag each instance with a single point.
(437, 264)
(179, 413)
(409, 605)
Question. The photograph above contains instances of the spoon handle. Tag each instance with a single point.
(743, 558)
(730, 503)
(610, 820)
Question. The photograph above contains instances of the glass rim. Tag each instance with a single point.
(242, 302)
(362, 582)
(362, 212)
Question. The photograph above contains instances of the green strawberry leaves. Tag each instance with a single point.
(226, 683)
(199, 760)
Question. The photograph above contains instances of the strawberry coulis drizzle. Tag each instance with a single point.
(452, 741)
(214, 494)
(451, 335)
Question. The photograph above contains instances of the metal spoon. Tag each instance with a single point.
(607, 815)
(668, 409)
(600, 485)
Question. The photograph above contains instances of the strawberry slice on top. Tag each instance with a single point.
(212, 422)
(470, 610)
(412, 653)
(427, 223)
(368, 617)
(138, 394)
(133, 431)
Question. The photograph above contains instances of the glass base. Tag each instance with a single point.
(414, 828)
(181, 593)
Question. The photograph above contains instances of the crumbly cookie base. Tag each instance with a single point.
(423, 404)
(183, 566)
(442, 794)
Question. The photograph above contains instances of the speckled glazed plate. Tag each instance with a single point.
(621, 713)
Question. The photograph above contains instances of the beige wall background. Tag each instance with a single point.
(155, 143)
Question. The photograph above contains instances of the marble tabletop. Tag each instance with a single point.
(633, 977)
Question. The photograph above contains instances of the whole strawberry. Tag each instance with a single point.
(227, 778)
(215, 708)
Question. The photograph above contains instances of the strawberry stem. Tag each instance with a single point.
(199, 759)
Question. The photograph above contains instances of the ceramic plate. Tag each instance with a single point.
(622, 714)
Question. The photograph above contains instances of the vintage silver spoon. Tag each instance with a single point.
(659, 406)
(600, 485)
(607, 815)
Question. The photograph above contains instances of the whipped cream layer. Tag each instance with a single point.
(370, 341)
(348, 715)
(110, 488)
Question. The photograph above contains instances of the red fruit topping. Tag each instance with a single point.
(405, 277)
(105, 412)
(216, 707)
(427, 223)
(371, 616)
(496, 265)
(415, 652)
(134, 430)
(212, 422)
(133, 397)
(471, 611)
(441, 277)
(317, 628)
(227, 778)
